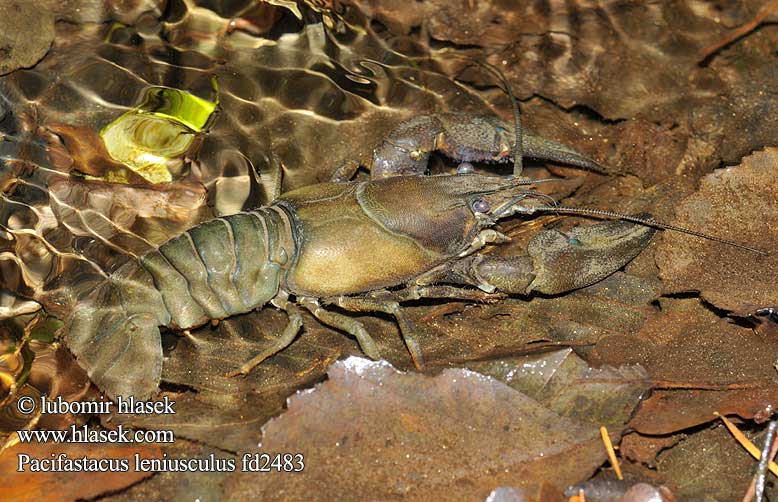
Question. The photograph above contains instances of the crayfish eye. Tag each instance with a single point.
(481, 206)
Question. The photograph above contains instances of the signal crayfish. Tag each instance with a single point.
(316, 247)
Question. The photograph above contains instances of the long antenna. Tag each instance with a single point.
(643, 221)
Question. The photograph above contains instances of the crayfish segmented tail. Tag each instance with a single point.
(223, 267)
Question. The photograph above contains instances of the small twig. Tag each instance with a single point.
(761, 471)
(670, 384)
(738, 33)
(611, 453)
(746, 443)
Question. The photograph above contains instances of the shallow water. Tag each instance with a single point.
(311, 85)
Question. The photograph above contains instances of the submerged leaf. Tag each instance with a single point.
(567, 385)
(707, 363)
(710, 465)
(741, 204)
(177, 106)
(160, 129)
(371, 432)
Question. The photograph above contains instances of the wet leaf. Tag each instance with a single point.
(81, 149)
(26, 33)
(566, 384)
(162, 128)
(713, 364)
(710, 465)
(372, 432)
(740, 204)
(667, 411)
(619, 304)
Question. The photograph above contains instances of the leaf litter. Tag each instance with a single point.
(414, 436)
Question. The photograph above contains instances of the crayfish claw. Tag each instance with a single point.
(563, 261)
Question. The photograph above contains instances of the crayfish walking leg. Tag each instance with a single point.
(345, 323)
(381, 301)
(293, 326)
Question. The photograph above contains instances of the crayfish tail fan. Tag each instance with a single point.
(115, 335)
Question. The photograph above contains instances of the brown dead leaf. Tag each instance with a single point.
(566, 384)
(737, 203)
(713, 364)
(710, 465)
(370, 432)
(668, 411)
(620, 59)
(82, 148)
(619, 304)
(69, 486)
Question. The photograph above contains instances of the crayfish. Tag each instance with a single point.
(317, 247)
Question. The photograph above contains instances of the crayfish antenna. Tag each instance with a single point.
(643, 221)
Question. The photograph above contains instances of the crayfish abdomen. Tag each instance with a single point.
(217, 269)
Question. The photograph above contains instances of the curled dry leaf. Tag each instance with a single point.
(371, 432)
(738, 203)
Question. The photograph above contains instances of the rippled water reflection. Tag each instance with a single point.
(310, 82)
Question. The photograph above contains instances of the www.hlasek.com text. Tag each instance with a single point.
(84, 434)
